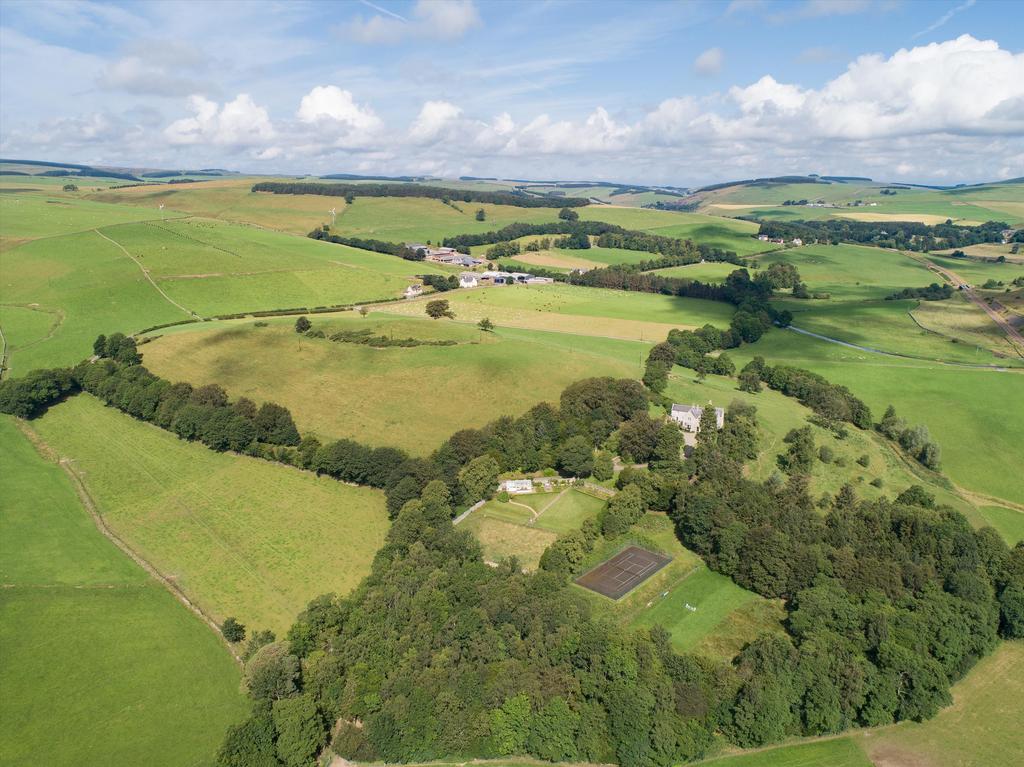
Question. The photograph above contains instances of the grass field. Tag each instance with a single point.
(836, 752)
(240, 536)
(981, 449)
(585, 311)
(501, 540)
(30, 216)
(413, 398)
(88, 285)
(527, 524)
(714, 597)
(961, 319)
(890, 326)
(707, 271)
(715, 231)
(217, 268)
(97, 657)
(1008, 522)
(978, 272)
(853, 272)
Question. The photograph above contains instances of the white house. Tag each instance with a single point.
(688, 416)
(517, 486)
(414, 290)
(467, 280)
(797, 241)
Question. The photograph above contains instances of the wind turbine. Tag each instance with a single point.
(161, 211)
(334, 215)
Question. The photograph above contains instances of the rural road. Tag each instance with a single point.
(1016, 339)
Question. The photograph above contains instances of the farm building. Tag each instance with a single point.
(468, 280)
(688, 416)
(413, 291)
(517, 486)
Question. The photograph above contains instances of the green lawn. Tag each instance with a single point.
(714, 597)
(569, 511)
(1008, 522)
(240, 536)
(413, 398)
(97, 657)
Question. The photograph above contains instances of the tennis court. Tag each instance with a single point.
(616, 577)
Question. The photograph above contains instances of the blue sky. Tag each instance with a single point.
(658, 92)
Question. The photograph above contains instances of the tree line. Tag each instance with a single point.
(515, 199)
(377, 246)
(903, 235)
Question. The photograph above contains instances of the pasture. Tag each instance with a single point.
(240, 536)
(581, 310)
(97, 657)
(29, 216)
(715, 231)
(413, 398)
(896, 327)
(853, 272)
(837, 752)
(970, 412)
(706, 271)
(979, 272)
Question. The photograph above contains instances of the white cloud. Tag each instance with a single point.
(434, 119)
(941, 21)
(431, 19)
(709, 62)
(238, 123)
(331, 103)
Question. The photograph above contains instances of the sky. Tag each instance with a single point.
(675, 93)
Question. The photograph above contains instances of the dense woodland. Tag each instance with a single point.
(516, 199)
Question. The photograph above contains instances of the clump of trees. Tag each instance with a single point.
(30, 395)
(439, 308)
(934, 292)
(904, 235)
(916, 440)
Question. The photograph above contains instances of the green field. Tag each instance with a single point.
(853, 272)
(30, 216)
(715, 231)
(413, 398)
(890, 326)
(97, 656)
(706, 271)
(980, 444)
(88, 285)
(713, 595)
(978, 272)
(240, 536)
(837, 752)
(568, 511)
(585, 311)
